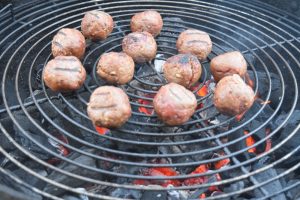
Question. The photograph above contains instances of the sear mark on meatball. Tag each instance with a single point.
(184, 59)
(58, 44)
(94, 14)
(75, 69)
(175, 94)
(196, 33)
(132, 39)
(197, 41)
(66, 59)
(62, 33)
(103, 107)
(102, 94)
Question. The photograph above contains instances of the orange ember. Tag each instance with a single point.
(162, 171)
(102, 130)
(198, 180)
(240, 116)
(203, 91)
(249, 142)
(265, 102)
(268, 142)
(147, 111)
(249, 81)
(221, 163)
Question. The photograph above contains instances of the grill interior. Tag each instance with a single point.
(50, 148)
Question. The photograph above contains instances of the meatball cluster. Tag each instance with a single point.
(174, 103)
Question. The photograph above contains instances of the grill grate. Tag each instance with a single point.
(268, 38)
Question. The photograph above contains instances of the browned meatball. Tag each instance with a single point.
(149, 21)
(141, 46)
(233, 96)
(64, 73)
(97, 25)
(174, 104)
(227, 64)
(184, 69)
(68, 42)
(109, 107)
(116, 68)
(195, 42)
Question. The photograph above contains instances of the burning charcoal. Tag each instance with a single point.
(159, 62)
(33, 132)
(264, 86)
(28, 178)
(233, 174)
(71, 182)
(295, 192)
(239, 145)
(236, 186)
(76, 196)
(19, 189)
(126, 193)
(153, 195)
(292, 143)
(10, 194)
(266, 175)
(78, 132)
(178, 194)
(172, 27)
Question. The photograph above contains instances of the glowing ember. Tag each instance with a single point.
(249, 81)
(265, 102)
(102, 130)
(147, 111)
(203, 91)
(249, 142)
(240, 116)
(221, 163)
(162, 171)
(198, 180)
(268, 142)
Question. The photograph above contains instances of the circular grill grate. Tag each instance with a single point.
(268, 38)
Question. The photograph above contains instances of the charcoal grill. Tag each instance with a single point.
(269, 39)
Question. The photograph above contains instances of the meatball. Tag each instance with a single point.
(64, 73)
(195, 42)
(227, 64)
(109, 107)
(184, 69)
(149, 20)
(233, 96)
(68, 42)
(116, 68)
(174, 104)
(97, 25)
(141, 46)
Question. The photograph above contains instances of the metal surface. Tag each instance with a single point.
(262, 34)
